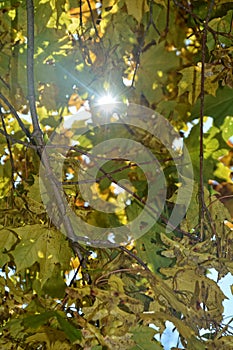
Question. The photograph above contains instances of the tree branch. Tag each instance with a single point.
(15, 114)
(20, 142)
(202, 206)
(134, 256)
(30, 72)
(92, 18)
(9, 150)
(54, 189)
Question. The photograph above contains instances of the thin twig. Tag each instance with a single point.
(134, 256)
(81, 14)
(15, 114)
(105, 175)
(187, 10)
(200, 20)
(116, 171)
(5, 83)
(105, 276)
(20, 142)
(168, 17)
(220, 198)
(93, 19)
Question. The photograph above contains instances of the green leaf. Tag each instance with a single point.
(51, 338)
(149, 248)
(5, 183)
(40, 244)
(14, 327)
(154, 65)
(7, 239)
(37, 321)
(211, 144)
(227, 127)
(143, 337)
(55, 285)
(71, 332)
(217, 107)
(220, 24)
(42, 16)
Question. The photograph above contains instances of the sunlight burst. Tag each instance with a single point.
(106, 99)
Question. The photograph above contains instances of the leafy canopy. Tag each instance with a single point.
(174, 57)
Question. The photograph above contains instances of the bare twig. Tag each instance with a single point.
(168, 17)
(116, 171)
(5, 83)
(104, 277)
(220, 198)
(15, 114)
(81, 14)
(20, 142)
(134, 256)
(197, 19)
(93, 19)
(187, 10)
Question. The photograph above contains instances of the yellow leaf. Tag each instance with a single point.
(225, 195)
(227, 160)
(116, 284)
(137, 8)
(191, 83)
(75, 263)
(75, 101)
(221, 343)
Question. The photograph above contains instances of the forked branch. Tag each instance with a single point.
(54, 191)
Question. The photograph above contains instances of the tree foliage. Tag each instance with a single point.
(174, 57)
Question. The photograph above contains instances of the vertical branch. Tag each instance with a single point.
(9, 150)
(81, 15)
(54, 190)
(93, 19)
(202, 206)
(30, 72)
(168, 18)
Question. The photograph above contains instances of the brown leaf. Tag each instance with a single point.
(225, 195)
